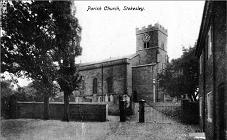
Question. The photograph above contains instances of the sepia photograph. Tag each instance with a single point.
(113, 70)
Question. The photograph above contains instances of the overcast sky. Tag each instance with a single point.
(108, 34)
(112, 33)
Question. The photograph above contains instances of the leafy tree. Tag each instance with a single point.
(34, 92)
(27, 43)
(27, 93)
(181, 75)
(68, 47)
(36, 36)
(8, 83)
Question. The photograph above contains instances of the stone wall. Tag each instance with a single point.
(134, 61)
(117, 72)
(162, 40)
(111, 100)
(213, 71)
(147, 55)
(153, 42)
(161, 59)
(78, 111)
(220, 66)
(142, 81)
(162, 50)
(157, 50)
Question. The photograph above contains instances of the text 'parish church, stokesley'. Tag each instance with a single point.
(135, 74)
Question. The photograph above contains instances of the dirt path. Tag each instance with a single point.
(156, 127)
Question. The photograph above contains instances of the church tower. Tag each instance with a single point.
(151, 45)
(151, 50)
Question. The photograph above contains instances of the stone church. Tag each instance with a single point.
(135, 74)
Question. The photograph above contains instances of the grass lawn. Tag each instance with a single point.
(35, 129)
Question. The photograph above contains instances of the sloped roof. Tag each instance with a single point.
(107, 62)
(109, 59)
(204, 26)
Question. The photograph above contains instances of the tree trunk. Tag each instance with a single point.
(66, 106)
(46, 113)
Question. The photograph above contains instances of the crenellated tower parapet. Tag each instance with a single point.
(151, 44)
(149, 28)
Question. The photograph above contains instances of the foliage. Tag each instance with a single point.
(41, 40)
(8, 84)
(34, 92)
(68, 47)
(28, 42)
(68, 44)
(6, 88)
(181, 75)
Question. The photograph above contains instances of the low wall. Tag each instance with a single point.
(78, 111)
(165, 104)
(111, 100)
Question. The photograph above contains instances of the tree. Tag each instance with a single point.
(33, 92)
(181, 75)
(39, 37)
(68, 47)
(27, 93)
(27, 43)
(8, 83)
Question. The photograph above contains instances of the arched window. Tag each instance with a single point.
(146, 45)
(109, 81)
(163, 46)
(82, 83)
(95, 86)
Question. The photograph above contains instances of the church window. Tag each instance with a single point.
(109, 81)
(146, 45)
(95, 86)
(157, 55)
(163, 46)
(82, 83)
(166, 59)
